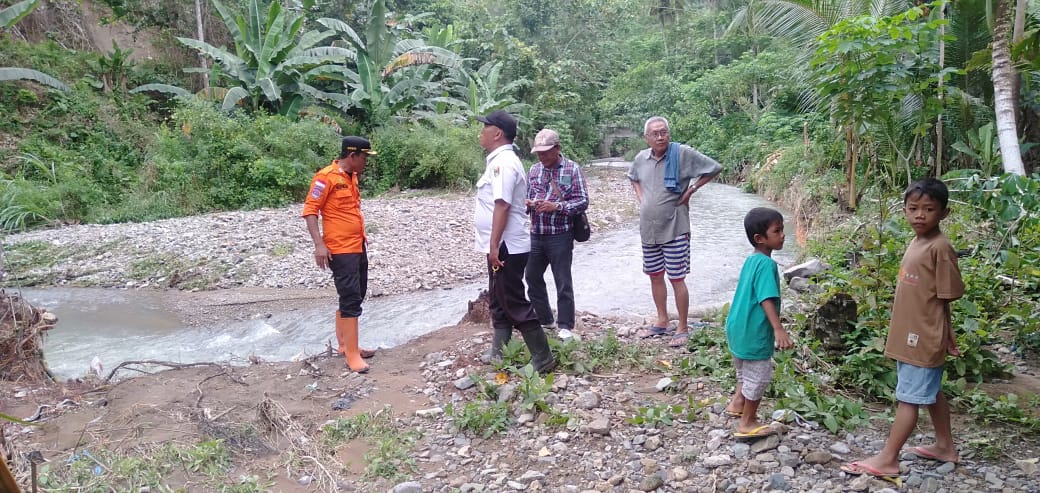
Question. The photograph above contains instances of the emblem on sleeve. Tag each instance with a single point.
(318, 189)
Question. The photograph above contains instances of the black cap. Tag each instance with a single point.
(502, 120)
(356, 144)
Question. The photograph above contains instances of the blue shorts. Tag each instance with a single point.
(916, 385)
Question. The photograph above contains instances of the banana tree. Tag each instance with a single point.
(485, 91)
(379, 86)
(274, 61)
(10, 16)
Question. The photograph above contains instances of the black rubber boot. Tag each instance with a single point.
(499, 339)
(541, 355)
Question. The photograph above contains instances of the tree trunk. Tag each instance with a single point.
(201, 29)
(942, 102)
(1021, 9)
(1003, 90)
(851, 151)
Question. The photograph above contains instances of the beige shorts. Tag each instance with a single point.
(754, 377)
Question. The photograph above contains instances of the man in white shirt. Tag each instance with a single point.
(503, 234)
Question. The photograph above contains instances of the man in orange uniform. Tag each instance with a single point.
(342, 248)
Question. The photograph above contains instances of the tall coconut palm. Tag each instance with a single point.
(801, 22)
(1003, 89)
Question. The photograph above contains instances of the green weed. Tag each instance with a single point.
(656, 416)
(391, 453)
(170, 467)
(482, 419)
(282, 249)
(533, 389)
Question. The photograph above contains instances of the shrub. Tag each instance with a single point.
(413, 155)
(207, 160)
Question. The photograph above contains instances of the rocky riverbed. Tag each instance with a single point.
(417, 240)
(644, 421)
(609, 440)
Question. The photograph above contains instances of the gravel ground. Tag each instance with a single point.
(416, 241)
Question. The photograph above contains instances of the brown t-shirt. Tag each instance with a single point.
(928, 280)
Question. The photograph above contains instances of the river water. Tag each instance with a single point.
(124, 325)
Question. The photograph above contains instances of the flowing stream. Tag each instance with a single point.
(123, 325)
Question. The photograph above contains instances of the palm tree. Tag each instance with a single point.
(801, 22)
(1003, 89)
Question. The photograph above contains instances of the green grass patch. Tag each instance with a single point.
(391, 453)
(206, 465)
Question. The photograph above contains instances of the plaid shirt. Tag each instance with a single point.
(569, 178)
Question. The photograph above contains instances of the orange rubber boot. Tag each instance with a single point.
(365, 353)
(347, 329)
(340, 338)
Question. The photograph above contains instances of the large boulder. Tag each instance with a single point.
(805, 269)
(831, 321)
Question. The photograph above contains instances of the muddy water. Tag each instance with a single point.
(118, 326)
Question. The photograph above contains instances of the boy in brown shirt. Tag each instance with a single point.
(920, 334)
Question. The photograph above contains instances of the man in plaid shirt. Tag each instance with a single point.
(556, 191)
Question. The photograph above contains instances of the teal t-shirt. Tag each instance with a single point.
(748, 331)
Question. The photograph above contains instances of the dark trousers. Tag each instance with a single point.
(555, 251)
(508, 305)
(350, 274)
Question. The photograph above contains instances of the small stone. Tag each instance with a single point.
(651, 483)
(600, 426)
(768, 443)
(818, 457)
(840, 448)
(531, 476)
(652, 443)
(1029, 467)
(516, 486)
(946, 468)
(663, 384)
(587, 400)
(717, 461)
(464, 383)
(408, 487)
(861, 483)
(778, 482)
(680, 474)
(433, 411)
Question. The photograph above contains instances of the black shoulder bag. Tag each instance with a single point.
(579, 222)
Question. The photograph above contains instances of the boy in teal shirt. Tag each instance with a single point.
(753, 326)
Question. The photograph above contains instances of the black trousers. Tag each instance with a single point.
(509, 306)
(350, 274)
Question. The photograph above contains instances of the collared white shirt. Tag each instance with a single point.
(503, 179)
